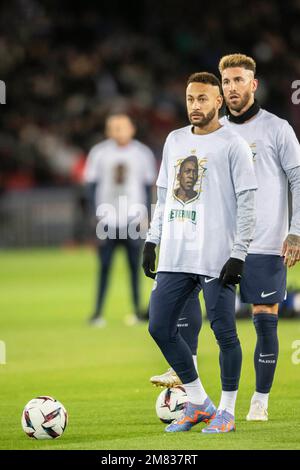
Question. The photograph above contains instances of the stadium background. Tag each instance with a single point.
(66, 65)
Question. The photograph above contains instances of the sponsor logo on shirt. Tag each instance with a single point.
(253, 150)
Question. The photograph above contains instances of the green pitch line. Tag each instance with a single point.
(102, 376)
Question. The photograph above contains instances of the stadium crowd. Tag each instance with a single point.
(67, 65)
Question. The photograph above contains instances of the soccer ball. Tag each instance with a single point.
(169, 404)
(44, 418)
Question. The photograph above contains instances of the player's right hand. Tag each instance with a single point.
(231, 273)
(149, 257)
(291, 250)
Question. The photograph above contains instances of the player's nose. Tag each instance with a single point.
(232, 87)
(195, 106)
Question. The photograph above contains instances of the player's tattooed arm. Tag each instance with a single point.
(291, 250)
(291, 245)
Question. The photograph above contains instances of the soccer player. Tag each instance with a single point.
(204, 232)
(119, 171)
(276, 155)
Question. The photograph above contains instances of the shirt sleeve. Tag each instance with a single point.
(162, 179)
(91, 173)
(155, 231)
(241, 165)
(149, 170)
(288, 147)
(294, 179)
(245, 224)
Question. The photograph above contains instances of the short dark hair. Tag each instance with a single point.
(191, 158)
(205, 77)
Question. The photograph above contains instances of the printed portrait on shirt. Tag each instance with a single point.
(120, 173)
(187, 185)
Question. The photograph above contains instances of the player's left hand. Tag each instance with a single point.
(232, 272)
(291, 250)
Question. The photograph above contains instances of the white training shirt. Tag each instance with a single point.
(199, 222)
(275, 150)
(121, 174)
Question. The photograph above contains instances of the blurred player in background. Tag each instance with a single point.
(119, 173)
(276, 155)
(203, 222)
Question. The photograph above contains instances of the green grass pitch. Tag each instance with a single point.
(102, 375)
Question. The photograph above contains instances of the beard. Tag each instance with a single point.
(203, 119)
(241, 104)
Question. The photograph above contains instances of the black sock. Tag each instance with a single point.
(230, 360)
(266, 352)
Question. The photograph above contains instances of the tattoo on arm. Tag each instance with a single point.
(291, 250)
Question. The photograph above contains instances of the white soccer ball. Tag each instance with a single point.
(44, 418)
(169, 404)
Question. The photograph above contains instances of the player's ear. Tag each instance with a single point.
(219, 101)
(107, 130)
(133, 129)
(254, 85)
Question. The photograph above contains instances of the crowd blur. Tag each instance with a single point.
(68, 64)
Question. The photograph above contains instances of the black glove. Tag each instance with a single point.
(149, 259)
(232, 271)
